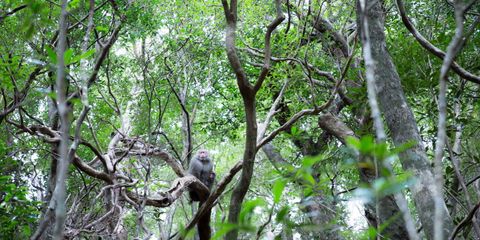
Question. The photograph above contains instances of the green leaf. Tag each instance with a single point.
(8, 196)
(73, 4)
(84, 55)
(380, 150)
(30, 31)
(52, 95)
(309, 178)
(403, 147)
(309, 161)
(294, 131)
(248, 208)
(67, 56)
(371, 233)
(367, 144)
(223, 229)
(277, 190)
(101, 28)
(353, 142)
(282, 214)
(52, 55)
(26, 230)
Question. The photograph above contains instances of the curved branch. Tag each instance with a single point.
(179, 186)
(465, 221)
(431, 48)
(268, 51)
(77, 162)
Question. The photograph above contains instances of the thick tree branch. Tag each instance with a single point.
(179, 186)
(230, 36)
(139, 149)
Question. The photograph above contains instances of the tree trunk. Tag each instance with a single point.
(399, 118)
(241, 188)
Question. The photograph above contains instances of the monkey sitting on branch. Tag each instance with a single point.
(201, 166)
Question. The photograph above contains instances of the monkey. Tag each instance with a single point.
(201, 167)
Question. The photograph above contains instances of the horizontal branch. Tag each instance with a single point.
(139, 148)
(179, 186)
(258, 53)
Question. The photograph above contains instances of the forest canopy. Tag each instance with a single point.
(282, 119)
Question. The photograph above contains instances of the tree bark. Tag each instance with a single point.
(400, 120)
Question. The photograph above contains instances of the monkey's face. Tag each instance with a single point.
(202, 154)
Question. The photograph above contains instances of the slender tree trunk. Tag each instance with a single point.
(59, 194)
(400, 120)
(248, 162)
(248, 92)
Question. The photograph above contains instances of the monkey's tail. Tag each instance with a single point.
(203, 226)
(194, 196)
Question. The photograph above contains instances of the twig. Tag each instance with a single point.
(465, 221)
(12, 12)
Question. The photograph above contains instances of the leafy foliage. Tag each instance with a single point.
(168, 65)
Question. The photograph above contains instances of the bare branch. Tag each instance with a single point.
(179, 186)
(465, 221)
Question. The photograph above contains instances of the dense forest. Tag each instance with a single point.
(282, 119)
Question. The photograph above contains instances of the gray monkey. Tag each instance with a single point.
(201, 166)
